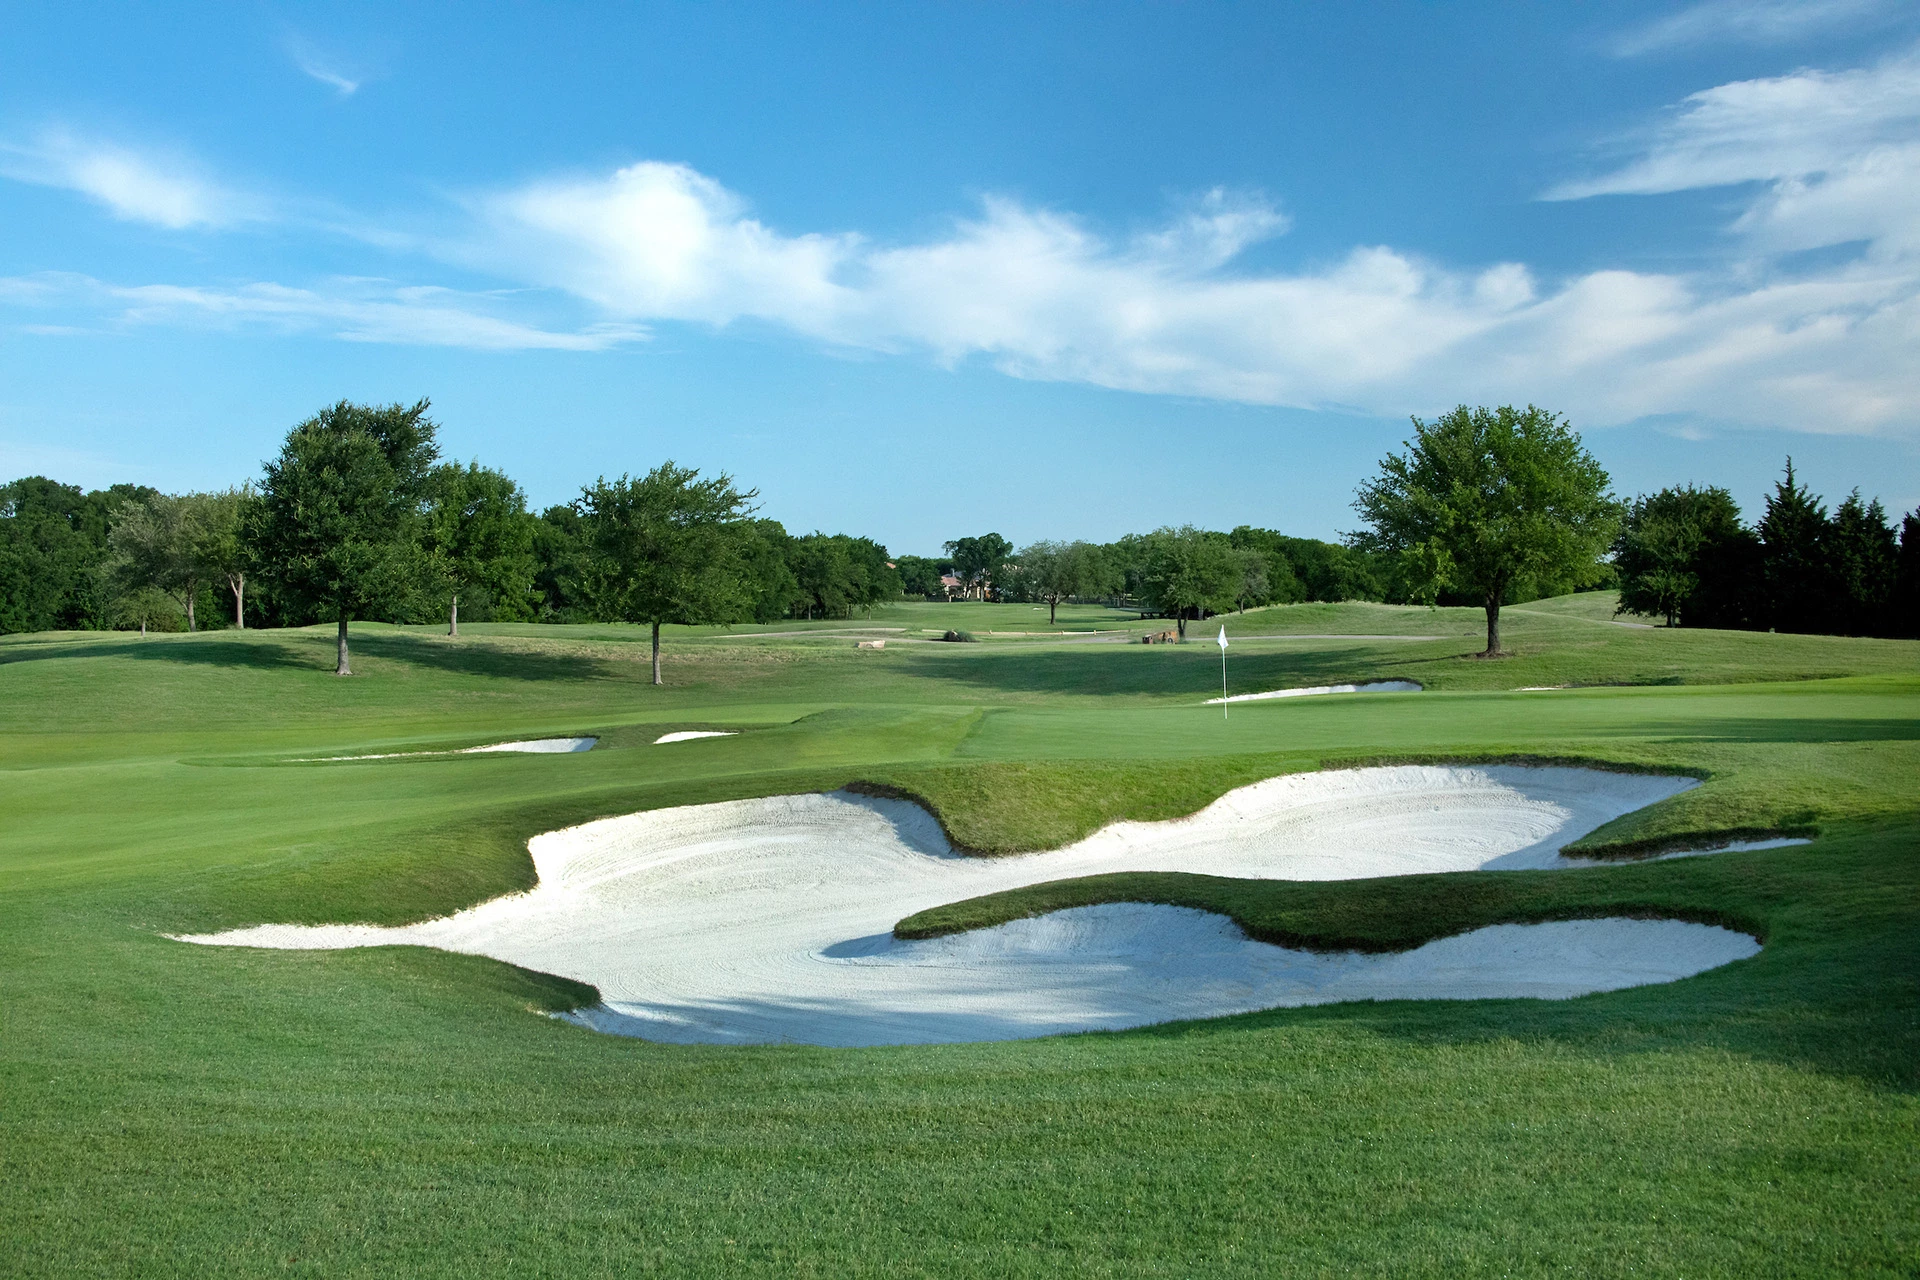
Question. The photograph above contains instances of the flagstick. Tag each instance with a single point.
(1223, 672)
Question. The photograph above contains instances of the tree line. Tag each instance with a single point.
(358, 517)
(1685, 554)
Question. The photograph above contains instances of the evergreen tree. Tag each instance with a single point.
(1864, 558)
(1906, 588)
(1796, 577)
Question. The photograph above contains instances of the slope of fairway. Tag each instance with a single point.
(184, 1110)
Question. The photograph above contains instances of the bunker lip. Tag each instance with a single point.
(744, 921)
(1313, 691)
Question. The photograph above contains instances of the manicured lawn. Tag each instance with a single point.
(167, 1109)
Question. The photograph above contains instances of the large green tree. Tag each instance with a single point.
(668, 548)
(1675, 552)
(222, 547)
(1057, 571)
(1191, 572)
(1864, 554)
(1484, 499)
(479, 540)
(163, 543)
(339, 522)
(977, 561)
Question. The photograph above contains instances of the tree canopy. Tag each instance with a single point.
(668, 548)
(1486, 498)
(341, 511)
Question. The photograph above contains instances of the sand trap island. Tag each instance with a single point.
(770, 920)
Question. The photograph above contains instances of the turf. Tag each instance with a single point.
(174, 1110)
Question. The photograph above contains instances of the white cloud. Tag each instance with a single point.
(320, 66)
(353, 310)
(1746, 22)
(1793, 126)
(133, 185)
(1041, 295)
(1765, 338)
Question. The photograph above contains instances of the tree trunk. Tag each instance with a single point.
(342, 669)
(190, 627)
(1053, 610)
(1493, 627)
(656, 654)
(237, 583)
(453, 616)
(1180, 622)
(143, 627)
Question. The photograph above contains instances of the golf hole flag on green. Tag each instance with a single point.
(1223, 671)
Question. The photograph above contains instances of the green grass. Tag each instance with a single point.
(167, 1109)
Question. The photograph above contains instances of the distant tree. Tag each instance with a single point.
(223, 551)
(1865, 559)
(1796, 573)
(1484, 498)
(479, 540)
(668, 548)
(1254, 587)
(560, 554)
(53, 553)
(1906, 588)
(146, 607)
(977, 561)
(338, 525)
(1672, 553)
(1059, 571)
(159, 544)
(919, 576)
(874, 579)
(823, 568)
(766, 554)
(1190, 573)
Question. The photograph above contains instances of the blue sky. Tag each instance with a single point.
(917, 271)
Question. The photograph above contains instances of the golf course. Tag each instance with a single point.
(172, 1108)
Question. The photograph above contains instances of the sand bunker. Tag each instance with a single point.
(688, 735)
(539, 746)
(770, 920)
(1372, 686)
(532, 746)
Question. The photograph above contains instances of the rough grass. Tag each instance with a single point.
(178, 1110)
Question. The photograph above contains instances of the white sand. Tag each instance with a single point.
(1372, 686)
(770, 920)
(540, 746)
(533, 746)
(688, 735)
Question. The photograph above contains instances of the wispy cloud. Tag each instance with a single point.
(139, 186)
(1040, 294)
(353, 310)
(320, 66)
(1764, 22)
(1792, 126)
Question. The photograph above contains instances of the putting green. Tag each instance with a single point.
(172, 1109)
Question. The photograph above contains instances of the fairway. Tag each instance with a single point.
(177, 1109)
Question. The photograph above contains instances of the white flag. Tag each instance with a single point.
(1223, 637)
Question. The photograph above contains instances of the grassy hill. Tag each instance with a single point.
(174, 1110)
